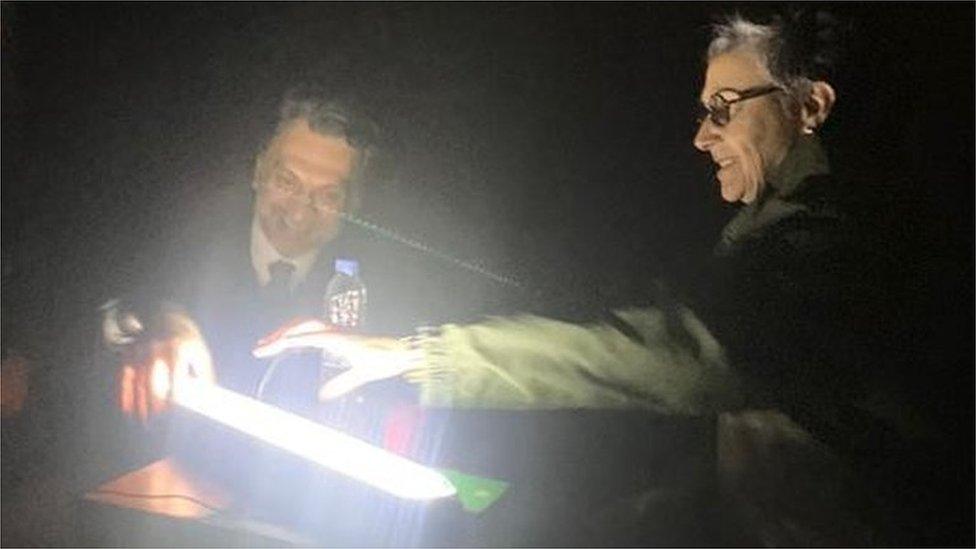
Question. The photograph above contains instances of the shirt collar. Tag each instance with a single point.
(263, 254)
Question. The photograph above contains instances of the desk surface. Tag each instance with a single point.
(164, 503)
(163, 488)
(571, 485)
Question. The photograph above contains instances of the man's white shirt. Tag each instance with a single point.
(263, 254)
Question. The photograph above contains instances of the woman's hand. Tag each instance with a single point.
(370, 358)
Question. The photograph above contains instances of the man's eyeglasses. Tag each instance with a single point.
(323, 199)
(718, 108)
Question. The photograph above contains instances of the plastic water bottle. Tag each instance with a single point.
(345, 296)
(344, 307)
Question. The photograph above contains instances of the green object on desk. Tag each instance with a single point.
(475, 493)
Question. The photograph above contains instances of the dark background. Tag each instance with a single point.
(551, 142)
(519, 134)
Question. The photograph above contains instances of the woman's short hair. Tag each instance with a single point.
(798, 48)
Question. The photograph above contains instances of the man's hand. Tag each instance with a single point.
(153, 367)
(371, 358)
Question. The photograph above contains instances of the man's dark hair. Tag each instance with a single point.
(328, 114)
(333, 114)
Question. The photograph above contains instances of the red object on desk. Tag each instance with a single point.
(401, 429)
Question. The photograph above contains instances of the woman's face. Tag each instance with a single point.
(759, 131)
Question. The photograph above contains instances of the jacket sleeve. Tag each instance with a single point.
(655, 359)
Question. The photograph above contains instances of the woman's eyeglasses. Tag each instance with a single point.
(718, 107)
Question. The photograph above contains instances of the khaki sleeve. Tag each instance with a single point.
(644, 358)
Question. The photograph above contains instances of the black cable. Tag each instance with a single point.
(268, 372)
(158, 496)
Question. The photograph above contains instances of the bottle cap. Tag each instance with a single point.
(348, 267)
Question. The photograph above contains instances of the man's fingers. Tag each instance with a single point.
(160, 383)
(141, 390)
(126, 389)
(162, 375)
(165, 359)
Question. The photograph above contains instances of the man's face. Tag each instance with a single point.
(301, 184)
(758, 134)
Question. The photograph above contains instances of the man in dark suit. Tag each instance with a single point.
(252, 258)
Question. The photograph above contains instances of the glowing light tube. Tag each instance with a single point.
(328, 447)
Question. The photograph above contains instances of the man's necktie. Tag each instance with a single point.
(279, 286)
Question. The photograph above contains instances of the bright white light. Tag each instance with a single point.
(330, 448)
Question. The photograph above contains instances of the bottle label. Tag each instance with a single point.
(345, 309)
